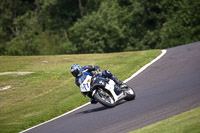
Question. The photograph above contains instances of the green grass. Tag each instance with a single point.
(50, 91)
(187, 122)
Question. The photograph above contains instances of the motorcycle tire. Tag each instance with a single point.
(104, 99)
(130, 94)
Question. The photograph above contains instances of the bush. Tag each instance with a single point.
(102, 31)
(67, 48)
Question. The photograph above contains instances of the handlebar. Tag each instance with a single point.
(97, 73)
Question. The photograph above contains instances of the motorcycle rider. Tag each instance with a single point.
(80, 74)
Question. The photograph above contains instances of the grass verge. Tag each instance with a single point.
(187, 122)
(50, 91)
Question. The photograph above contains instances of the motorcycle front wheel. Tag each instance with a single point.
(130, 94)
(104, 98)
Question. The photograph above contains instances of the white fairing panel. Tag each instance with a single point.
(110, 87)
(85, 86)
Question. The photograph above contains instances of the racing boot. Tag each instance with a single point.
(119, 82)
(117, 90)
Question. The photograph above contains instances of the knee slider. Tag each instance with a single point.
(107, 73)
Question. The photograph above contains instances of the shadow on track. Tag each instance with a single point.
(93, 110)
(99, 109)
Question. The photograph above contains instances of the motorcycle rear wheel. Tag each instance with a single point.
(104, 98)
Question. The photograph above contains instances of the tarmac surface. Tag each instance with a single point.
(168, 87)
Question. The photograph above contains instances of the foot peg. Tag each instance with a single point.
(123, 86)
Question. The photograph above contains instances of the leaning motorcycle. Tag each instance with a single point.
(105, 90)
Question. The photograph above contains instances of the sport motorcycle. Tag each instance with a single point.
(105, 90)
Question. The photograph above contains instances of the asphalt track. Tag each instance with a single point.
(168, 87)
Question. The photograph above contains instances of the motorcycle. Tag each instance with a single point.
(105, 90)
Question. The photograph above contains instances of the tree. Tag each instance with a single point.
(101, 31)
(88, 26)
(182, 25)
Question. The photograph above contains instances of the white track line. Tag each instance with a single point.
(55, 118)
(147, 65)
(134, 75)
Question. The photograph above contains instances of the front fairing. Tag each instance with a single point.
(85, 83)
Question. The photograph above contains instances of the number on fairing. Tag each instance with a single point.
(85, 86)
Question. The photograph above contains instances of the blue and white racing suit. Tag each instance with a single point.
(87, 70)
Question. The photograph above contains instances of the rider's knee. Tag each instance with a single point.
(107, 73)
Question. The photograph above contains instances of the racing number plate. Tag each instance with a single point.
(85, 86)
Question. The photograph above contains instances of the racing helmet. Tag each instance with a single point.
(76, 70)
